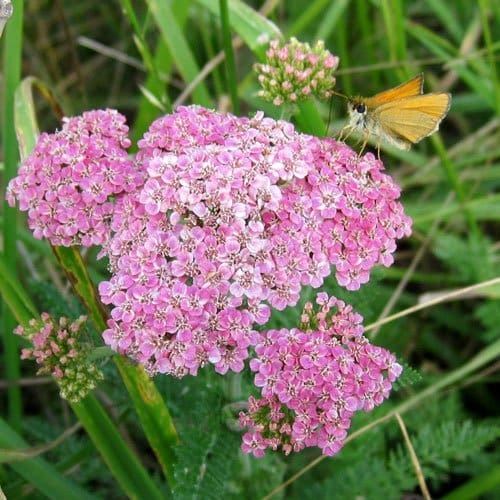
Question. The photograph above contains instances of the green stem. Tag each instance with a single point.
(153, 413)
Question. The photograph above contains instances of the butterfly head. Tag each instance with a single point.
(357, 112)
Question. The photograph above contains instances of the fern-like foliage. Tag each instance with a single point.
(205, 467)
(438, 448)
(409, 377)
(489, 315)
(377, 465)
(210, 464)
(471, 259)
(364, 479)
(49, 299)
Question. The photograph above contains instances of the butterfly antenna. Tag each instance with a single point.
(330, 112)
(334, 92)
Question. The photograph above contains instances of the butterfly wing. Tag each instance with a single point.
(410, 88)
(413, 118)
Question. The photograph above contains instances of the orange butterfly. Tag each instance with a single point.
(401, 116)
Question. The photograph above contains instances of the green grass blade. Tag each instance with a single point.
(37, 472)
(483, 358)
(211, 46)
(14, 295)
(392, 11)
(254, 29)
(162, 62)
(311, 12)
(25, 116)
(11, 74)
(447, 14)
(179, 49)
(488, 482)
(147, 111)
(71, 261)
(228, 51)
(342, 50)
(331, 18)
(126, 469)
(485, 208)
(443, 49)
(156, 86)
(455, 182)
(488, 38)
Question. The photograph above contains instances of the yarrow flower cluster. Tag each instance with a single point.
(215, 221)
(58, 348)
(67, 183)
(235, 216)
(294, 71)
(313, 380)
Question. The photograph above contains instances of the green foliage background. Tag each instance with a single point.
(138, 56)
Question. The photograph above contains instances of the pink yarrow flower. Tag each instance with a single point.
(313, 379)
(234, 216)
(60, 351)
(294, 70)
(67, 183)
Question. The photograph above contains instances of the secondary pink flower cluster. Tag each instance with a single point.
(313, 380)
(294, 71)
(67, 182)
(58, 348)
(236, 214)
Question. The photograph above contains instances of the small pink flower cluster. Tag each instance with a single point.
(67, 183)
(294, 71)
(235, 212)
(313, 380)
(58, 348)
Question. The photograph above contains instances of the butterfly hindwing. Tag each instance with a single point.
(414, 118)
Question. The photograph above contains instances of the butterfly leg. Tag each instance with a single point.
(365, 142)
(345, 132)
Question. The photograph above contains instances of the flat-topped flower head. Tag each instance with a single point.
(313, 379)
(234, 217)
(67, 184)
(294, 71)
(60, 351)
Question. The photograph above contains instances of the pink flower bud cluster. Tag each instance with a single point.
(236, 215)
(67, 183)
(313, 380)
(57, 347)
(294, 71)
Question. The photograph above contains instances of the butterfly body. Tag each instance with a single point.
(401, 116)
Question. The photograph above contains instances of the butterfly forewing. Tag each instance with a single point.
(410, 88)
